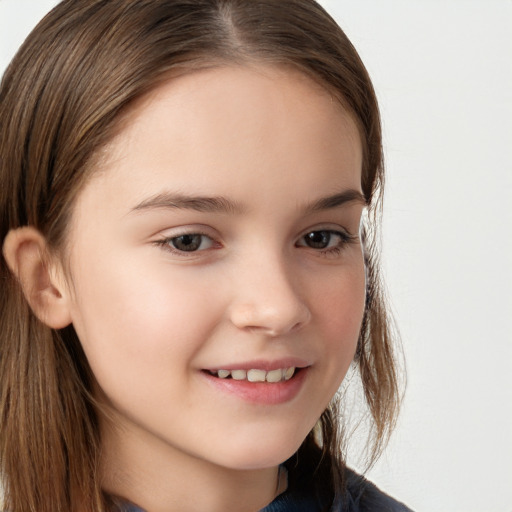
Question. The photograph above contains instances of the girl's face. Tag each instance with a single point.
(219, 244)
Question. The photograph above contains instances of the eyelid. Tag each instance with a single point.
(165, 238)
(331, 228)
(346, 238)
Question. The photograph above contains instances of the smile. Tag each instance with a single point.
(256, 386)
(256, 375)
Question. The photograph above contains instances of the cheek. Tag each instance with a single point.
(137, 319)
(339, 309)
(341, 302)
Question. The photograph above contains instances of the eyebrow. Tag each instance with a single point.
(219, 204)
(336, 200)
(171, 201)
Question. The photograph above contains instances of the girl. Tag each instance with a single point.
(186, 189)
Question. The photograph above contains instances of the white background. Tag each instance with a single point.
(443, 73)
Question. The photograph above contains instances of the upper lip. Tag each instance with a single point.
(263, 364)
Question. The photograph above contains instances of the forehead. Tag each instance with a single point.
(196, 128)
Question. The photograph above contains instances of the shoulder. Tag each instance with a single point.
(364, 496)
(360, 496)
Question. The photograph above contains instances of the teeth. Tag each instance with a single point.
(255, 375)
(275, 375)
(288, 374)
(239, 374)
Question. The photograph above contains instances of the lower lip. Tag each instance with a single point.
(263, 393)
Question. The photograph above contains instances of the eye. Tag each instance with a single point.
(325, 240)
(318, 239)
(189, 242)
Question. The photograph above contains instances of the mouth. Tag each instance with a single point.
(277, 384)
(256, 375)
(261, 381)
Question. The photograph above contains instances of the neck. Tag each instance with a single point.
(159, 478)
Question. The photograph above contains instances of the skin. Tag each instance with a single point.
(151, 318)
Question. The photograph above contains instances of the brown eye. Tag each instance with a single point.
(187, 243)
(318, 239)
(326, 241)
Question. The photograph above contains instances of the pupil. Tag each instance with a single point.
(318, 239)
(187, 242)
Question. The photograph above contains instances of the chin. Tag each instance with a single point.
(268, 451)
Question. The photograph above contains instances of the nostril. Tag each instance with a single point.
(273, 318)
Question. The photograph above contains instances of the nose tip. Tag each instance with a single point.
(271, 321)
(274, 307)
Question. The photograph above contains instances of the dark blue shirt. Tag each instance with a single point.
(361, 496)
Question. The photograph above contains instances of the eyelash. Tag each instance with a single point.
(166, 243)
(345, 239)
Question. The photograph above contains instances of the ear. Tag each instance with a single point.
(41, 277)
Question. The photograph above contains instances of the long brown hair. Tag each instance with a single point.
(61, 100)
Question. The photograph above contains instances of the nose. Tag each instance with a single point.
(267, 299)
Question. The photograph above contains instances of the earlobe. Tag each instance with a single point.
(41, 279)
